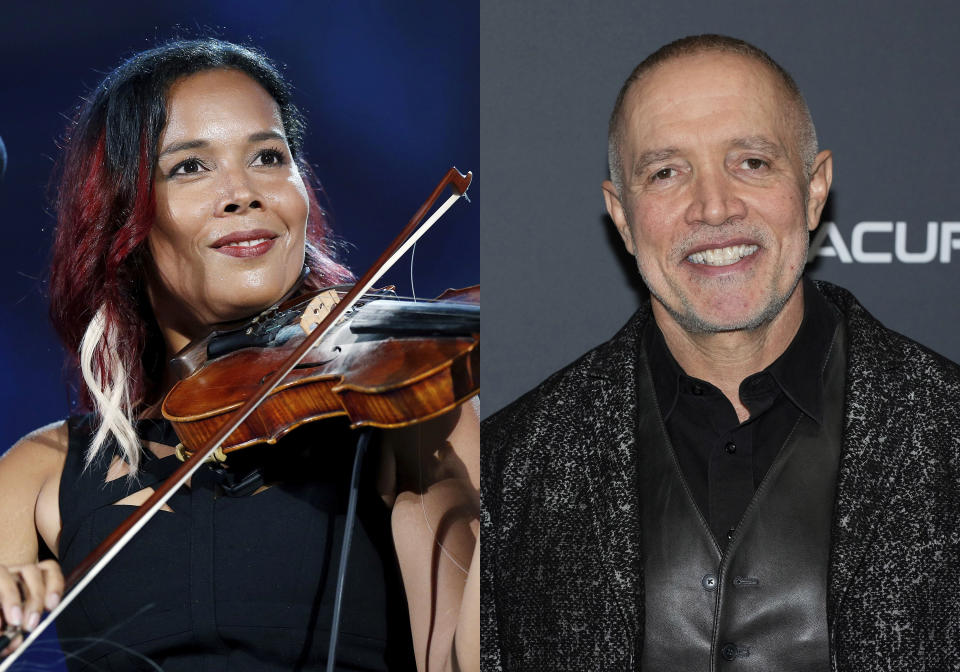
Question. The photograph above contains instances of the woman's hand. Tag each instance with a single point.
(25, 592)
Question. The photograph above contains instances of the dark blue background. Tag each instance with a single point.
(390, 92)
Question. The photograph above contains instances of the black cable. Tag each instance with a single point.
(362, 443)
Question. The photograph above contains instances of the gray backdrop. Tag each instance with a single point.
(881, 83)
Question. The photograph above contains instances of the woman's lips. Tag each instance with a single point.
(261, 246)
(245, 243)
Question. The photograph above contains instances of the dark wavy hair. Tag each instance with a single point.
(105, 206)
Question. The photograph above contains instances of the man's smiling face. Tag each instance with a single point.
(716, 203)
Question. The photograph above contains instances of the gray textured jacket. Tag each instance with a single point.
(562, 587)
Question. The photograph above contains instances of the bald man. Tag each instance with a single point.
(753, 473)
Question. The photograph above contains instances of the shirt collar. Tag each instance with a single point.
(807, 352)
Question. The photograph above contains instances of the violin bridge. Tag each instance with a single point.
(318, 308)
(217, 457)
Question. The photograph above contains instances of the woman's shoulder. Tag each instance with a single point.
(30, 472)
(43, 447)
(35, 459)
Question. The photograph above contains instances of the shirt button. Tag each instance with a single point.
(730, 651)
(697, 389)
(730, 533)
(731, 447)
(709, 582)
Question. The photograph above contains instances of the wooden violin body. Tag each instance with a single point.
(387, 363)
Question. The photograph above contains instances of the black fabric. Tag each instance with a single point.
(562, 584)
(723, 460)
(234, 583)
(761, 605)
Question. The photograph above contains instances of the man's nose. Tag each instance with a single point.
(715, 199)
(237, 194)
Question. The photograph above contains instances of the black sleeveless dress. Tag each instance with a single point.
(234, 582)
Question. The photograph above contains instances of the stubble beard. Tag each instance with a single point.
(690, 321)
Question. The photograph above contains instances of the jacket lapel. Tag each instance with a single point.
(875, 445)
(611, 468)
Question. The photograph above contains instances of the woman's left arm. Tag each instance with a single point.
(436, 533)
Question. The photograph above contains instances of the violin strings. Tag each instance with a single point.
(424, 509)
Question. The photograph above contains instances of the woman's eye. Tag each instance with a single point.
(188, 167)
(664, 174)
(269, 157)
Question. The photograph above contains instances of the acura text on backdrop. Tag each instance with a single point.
(886, 242)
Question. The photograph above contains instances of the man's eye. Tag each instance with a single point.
(754, 164)
(269, 157)
(664, 174)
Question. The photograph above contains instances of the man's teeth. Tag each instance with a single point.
(722, 256)
(248, 243)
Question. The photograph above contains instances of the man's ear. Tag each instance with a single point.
(820, 179)
(615, 210)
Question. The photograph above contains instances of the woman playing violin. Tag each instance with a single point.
(184, 203)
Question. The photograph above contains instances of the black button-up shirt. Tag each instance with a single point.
(723, 460)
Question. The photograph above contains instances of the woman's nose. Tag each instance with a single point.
(238, 195)
(237, 205)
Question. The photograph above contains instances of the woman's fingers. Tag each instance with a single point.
(32, 587)
(54, 582)
(10, 597)
(11, 611)
(26, 590)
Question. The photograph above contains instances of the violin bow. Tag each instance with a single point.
(101, 556)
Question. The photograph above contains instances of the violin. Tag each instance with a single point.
(389, 362)
(368, 371)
